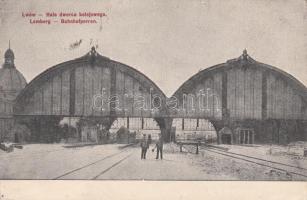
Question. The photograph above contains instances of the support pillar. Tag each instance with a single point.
(244, 137)
(197, 146)
(218, 125)
(165, 125)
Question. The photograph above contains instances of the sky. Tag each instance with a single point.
(167, 40)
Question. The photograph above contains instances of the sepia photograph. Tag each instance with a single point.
(131, 90)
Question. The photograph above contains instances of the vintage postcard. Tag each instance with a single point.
(153, 91)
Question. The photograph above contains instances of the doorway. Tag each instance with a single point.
(226, 138)
(246, 136)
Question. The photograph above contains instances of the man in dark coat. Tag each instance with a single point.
(144, 147)
(149, 140)
(159, 146)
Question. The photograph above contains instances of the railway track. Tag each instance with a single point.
(96, 169)
(288, 169)
(113, 165)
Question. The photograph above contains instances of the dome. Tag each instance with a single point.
(9, 59)
(11, 80)
(9, 54)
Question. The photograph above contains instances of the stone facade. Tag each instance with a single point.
(11, 83)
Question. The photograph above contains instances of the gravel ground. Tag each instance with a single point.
(222, 166)
(47, 161)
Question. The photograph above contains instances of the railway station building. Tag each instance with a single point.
(241, 101)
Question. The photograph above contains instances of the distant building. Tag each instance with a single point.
(11, 83)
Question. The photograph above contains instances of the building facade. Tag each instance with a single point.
(11, 83)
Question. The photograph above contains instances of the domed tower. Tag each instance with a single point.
(11, 83)
(11, 80)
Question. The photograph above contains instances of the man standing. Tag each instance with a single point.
(144, 147)
(149, 140)
(159, 146)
